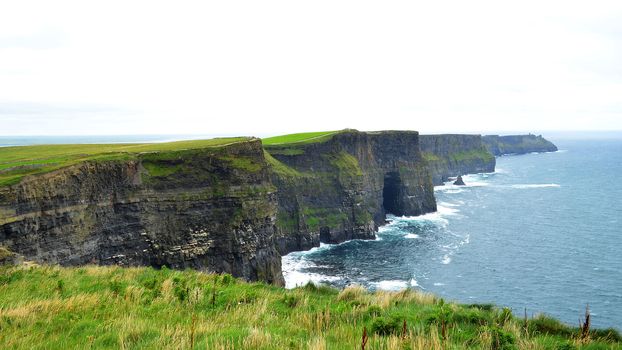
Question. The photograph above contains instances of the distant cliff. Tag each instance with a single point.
(517, 144)
(451, 155)
(211, 209)
(341, 186)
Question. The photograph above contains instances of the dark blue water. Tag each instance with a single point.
(544, 232)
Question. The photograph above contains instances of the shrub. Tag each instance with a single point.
(504, 316)
(384, 326)
(182, 290)
(374, 310)
(352, 292)
(116, 287)
(227, 279)
(468, 316)
(320, 289)
(60, 286)
(608, 334)
(547, 325)
(483, 307)
(501, 340)
(290, 300)
(7, 277)
(565, 346)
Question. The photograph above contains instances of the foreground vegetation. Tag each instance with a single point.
(17, 162)
(128, 308)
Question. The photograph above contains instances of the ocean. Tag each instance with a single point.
(543, 232)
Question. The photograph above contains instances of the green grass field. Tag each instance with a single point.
(305, 137)
(142, 308)
(17, 162)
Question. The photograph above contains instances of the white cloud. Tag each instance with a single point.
(257, 67)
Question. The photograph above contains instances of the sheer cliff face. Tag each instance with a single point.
(517, 144)
(341, 188)
(454, 155)
(211, 209)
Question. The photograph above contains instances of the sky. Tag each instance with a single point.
(271, 67)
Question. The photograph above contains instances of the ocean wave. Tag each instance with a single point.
(524, 186)
(436, 217)
(470, 180)
(296, 278)
(446, 259)
(394, 284)
(293, 263)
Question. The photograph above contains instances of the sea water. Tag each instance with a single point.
(543, 232)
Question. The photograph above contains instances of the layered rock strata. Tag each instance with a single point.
(211, 209)
(342, 187)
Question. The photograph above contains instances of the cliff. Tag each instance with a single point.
(224, 205)
(453, 155)
(340, 186)
(517, 144)
(210, 208)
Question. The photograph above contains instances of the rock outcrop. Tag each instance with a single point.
(459, 181)
(517, 144)
(341, 188)
(451, 155)
(210, 209)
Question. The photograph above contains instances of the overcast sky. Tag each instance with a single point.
(269, 67)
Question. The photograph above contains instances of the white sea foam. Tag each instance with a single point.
(436, 217)
(446, 259)
(412, 236)
(446, 210)
(391, 284)
(524, 186)
(385, 228)
(447, 204)
(471, 180)
(414, 283)
(293, 263)
(439, 284)
(295, 279)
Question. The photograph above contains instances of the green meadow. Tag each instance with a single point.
(91, 307)
(305, 137)
(17, 162)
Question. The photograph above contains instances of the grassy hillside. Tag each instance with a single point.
(305, 137)
(143, 308)
(17, 162)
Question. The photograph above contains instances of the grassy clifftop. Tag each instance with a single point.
(143, 308)
(17, 162)
(305, 137)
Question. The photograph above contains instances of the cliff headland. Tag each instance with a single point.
(226, 205)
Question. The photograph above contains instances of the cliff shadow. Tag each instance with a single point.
(392, 194)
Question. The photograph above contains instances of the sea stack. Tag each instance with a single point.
(459, 181)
